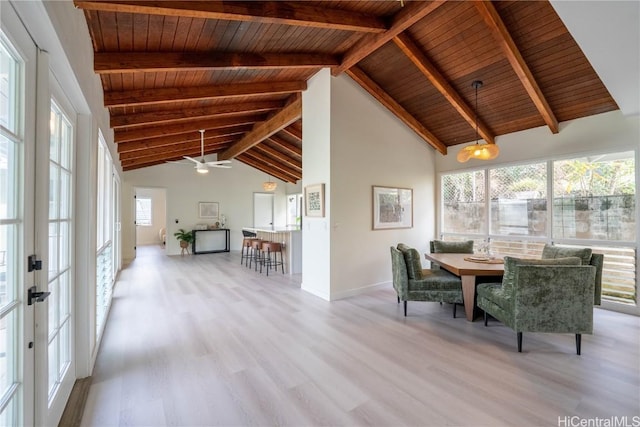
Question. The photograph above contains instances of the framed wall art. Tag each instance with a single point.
(314, 200)
(392, 207)
(208, 210)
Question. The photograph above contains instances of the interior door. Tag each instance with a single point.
(263, 210)
(17, 166)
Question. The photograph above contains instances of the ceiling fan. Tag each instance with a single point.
(203, 166)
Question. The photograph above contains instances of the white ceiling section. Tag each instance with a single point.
(608, 32)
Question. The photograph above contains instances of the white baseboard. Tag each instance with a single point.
(361, 290)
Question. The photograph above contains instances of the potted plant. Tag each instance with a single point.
(185, 238)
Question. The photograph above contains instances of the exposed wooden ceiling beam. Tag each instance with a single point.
(273, 164)
(283, 158)
(134, 134)
(282, 119)
(285, 145)
(420, 60)
(385, 99)
(272, 12)
(244, 158)
(195, 93)
(163, 158)
(141, 119)
(183, 148)
(408, 15)
(151, 62)
(294, 132)
(167, 141)
(504, 39)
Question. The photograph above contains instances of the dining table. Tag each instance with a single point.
(468, 267)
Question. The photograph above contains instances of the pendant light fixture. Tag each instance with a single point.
(478, 151)
(269, 185)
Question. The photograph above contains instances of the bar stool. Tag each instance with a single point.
(256, 253)
(246, 246)
(271, 248)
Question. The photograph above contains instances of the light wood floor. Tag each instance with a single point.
(200, 340)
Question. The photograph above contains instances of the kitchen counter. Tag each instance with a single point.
(291, 239)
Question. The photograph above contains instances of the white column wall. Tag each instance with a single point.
(316, 158)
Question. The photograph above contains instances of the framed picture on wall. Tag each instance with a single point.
(208, 210)
(392, 207)
(314, 200)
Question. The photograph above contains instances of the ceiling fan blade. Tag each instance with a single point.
(219, 166)
(197, 162)
(218, 162)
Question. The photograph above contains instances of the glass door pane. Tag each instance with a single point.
(13, 324)
(60, 238)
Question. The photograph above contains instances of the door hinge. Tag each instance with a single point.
(33, 263)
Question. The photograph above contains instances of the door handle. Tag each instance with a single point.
(34, 296)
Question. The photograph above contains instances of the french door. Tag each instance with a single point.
(18, 57)
(36, 234)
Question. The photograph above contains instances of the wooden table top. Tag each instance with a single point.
(457, 264)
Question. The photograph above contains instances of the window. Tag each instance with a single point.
(594, 198)
(519, 200)
(143, 211)
(592, 204)
(105, 253)
(463, 201)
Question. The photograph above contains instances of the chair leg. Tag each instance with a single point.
(454, 309)
(398, 299)
(486, 318)
(578, 343)
(519, 342)
(405, 309)
(281, 262)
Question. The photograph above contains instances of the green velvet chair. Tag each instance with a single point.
(554, 294)
(412, 283)
(446, 247)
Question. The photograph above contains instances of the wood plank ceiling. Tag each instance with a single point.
(237, 69)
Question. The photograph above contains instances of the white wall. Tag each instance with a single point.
(316, 164)
(150, 235)
(232, 188)
(370, 146)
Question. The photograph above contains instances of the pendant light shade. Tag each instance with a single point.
(478, 151)
(269, 185)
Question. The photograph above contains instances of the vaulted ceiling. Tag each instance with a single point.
(237, 70)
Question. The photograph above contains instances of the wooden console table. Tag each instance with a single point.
(210, 241)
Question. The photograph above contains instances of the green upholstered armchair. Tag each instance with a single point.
(445, 247)
(412, 283)
(545, 295)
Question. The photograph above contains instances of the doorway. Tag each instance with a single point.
(151, 216)
(263, 210)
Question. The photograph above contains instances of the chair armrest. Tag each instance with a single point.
(554, 298)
